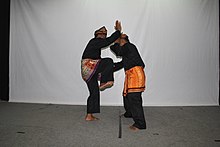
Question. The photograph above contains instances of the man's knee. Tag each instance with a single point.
(108, 60)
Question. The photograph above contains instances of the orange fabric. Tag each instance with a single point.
(134, 80)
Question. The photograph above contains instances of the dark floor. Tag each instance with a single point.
(46, 125)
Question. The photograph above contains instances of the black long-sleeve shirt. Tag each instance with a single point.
(93, 48)
(129, 53)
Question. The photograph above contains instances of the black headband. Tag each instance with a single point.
(96, 32)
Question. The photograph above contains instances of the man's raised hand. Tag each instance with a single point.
(118, 25)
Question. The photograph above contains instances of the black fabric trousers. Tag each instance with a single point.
(105, 67)
(133, 107)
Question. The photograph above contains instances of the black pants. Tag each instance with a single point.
(105, 67)
(133, 107)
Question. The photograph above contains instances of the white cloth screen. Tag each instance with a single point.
(177, 39)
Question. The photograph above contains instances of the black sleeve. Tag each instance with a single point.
(109, 40)
(119, 50)
(115, 49)
(118, 66)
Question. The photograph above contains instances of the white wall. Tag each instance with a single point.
(177, 39)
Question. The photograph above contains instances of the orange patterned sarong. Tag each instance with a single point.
(134, 80)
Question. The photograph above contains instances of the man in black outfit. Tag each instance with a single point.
(94, 67)
(134, 80)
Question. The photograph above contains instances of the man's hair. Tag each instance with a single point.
(126, 38)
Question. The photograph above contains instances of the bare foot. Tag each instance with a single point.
(95, 118)
(90, 117)
(104, 86)
(133, 128)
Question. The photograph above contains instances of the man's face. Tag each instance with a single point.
(102, 33)
(122, 39)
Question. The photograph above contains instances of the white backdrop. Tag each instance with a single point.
(177, 39)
